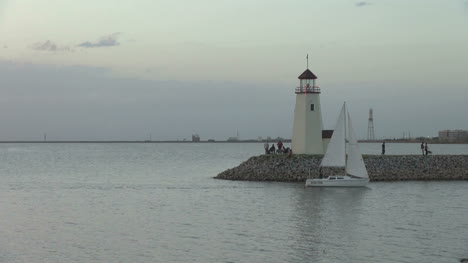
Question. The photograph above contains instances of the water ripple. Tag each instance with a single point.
(154, 203)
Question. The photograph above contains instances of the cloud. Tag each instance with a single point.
(362, 3)
(105, 41)
(49, 46)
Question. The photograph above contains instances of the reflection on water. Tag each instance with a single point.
(327, 221)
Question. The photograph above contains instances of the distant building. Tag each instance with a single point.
(326, 137)
(195, 138)
(453, 135)
(233, 139)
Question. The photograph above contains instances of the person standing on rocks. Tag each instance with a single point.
(383, 148)
(280, 145)
(425, 148)
(422, 148)
(272, 148)
(266, 146)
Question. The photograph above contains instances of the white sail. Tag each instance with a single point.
(335, 156)
(343, 141)
(355, 165)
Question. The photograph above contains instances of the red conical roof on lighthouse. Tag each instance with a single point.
(307, 74)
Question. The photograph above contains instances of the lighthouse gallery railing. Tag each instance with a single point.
(310, 89)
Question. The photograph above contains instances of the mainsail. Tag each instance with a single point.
(355, 165)
(335, 156)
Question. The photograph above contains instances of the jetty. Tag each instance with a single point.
(297, 168)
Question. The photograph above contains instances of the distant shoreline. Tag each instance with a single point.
(134, 141)
(128, 142)
(240, 141)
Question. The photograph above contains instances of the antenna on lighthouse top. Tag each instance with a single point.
(307, 58)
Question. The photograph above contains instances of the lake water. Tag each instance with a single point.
(159, 203)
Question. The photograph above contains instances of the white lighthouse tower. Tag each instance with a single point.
(307, 130)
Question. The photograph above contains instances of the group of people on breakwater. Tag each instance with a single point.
(424, 149)
(273, 150)
(286, 150)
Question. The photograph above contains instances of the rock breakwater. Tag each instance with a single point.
(296, 168)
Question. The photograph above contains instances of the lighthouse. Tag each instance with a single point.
(307, 130)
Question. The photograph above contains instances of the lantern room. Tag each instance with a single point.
(307, 83)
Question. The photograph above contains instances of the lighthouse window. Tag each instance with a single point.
(312, 107)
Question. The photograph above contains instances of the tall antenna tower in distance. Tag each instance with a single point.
(370, 127)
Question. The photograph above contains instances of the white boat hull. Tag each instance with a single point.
(337, 181)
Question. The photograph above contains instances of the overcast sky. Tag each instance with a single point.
(110, 69)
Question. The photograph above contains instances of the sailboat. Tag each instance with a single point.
(343, 157)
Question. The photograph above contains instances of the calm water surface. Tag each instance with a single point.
(159, 203)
